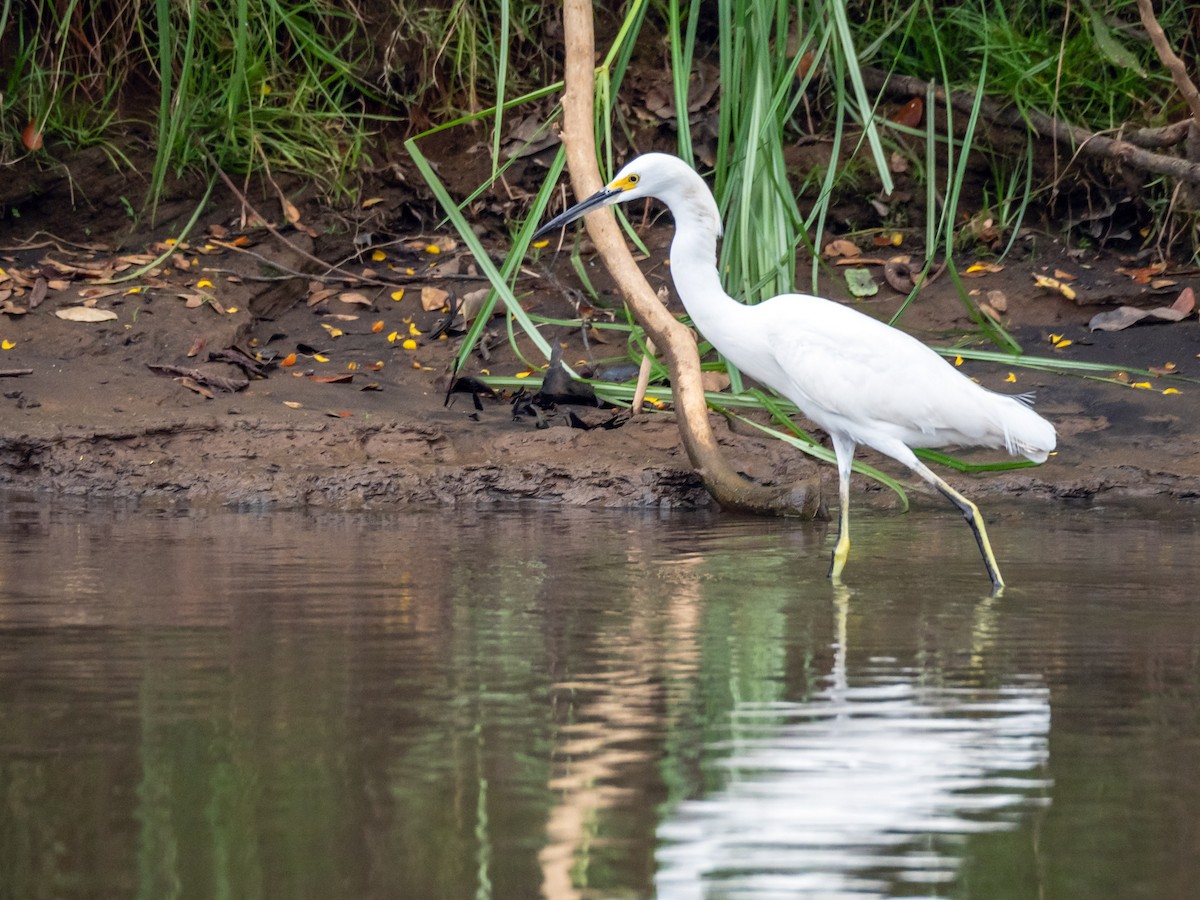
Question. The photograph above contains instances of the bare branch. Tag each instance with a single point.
(668, 334)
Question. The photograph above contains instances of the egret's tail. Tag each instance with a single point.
(1025, 432)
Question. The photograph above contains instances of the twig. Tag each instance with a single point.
(1173, 63)
(1087, 143)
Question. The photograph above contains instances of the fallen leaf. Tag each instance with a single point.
(433, 298)
(371, 201)
(901, 274)
(1144, 274)
(842, 247)
(1124, 316)
(998, 301)
(333, 332)
(192, 385)
(1159, 283)
(340, 414)
(1055, 285)
(31, 136)
(1063, 276)
(377, 327)
(291, 404)
(888, 239)
(861, 283)
(197, 346)
(978, 270)
(909, 115)
(354, 297)
(38, 293)
(345, 378)
(289, 210)
(288, 361)
(1164, 369)
(320, 296)
(85, 314)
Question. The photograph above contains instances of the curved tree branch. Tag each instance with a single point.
(1088, 143)
(672, 337)
(1174, 64)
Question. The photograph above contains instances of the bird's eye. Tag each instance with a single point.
(634, 179)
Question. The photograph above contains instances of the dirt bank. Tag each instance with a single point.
(136, 407)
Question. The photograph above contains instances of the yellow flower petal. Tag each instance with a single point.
(333, 332)
(378, 256)
(958, 360)
(392, 337)
(409, 344)
(7, 344)
(398, 295)
(544, 242)
(413, 330)
(319, 358)
(1144, 385)
(1167, 391)
(203, 283)
(1011, 379)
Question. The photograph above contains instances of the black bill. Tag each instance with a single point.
(598, 199)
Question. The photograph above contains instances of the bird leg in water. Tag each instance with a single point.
(843, 449)
(971, 513)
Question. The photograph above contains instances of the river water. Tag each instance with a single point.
(557, 703)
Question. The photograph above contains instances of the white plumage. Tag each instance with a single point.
(860, 380)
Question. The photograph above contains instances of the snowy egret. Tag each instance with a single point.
(860, 380)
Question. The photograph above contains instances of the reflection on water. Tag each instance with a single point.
(873, 780)
(577, 704)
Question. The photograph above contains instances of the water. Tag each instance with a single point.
(473, 704)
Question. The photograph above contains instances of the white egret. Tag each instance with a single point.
(860, 380)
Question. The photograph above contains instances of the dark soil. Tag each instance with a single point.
(82, 411)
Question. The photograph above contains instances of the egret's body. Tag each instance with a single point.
(860, 380)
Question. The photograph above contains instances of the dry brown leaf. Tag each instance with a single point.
(998, 301)
(289, 210)
(346, 378)
(1063, 276)
(433, 298)
(197, 346)
(320, 295)
(38, 293)
(354, 297)
(909, 115)
(31, 136)
(1144, 274)
(1124, 316)
(192, 385)
(85, 314)
(292, 404)
(842, 247)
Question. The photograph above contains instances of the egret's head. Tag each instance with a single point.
(650, 175)
(641, 177)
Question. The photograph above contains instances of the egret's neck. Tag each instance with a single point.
(694, 262)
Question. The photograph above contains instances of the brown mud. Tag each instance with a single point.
(83, 412)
